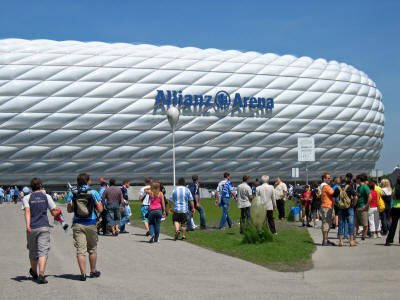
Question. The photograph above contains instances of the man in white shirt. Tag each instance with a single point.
(244, 196)
(280, 193)
(267, 196)
(145, 198)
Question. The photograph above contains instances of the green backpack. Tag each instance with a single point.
(344, 199)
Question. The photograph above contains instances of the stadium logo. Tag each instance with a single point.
(221, 100)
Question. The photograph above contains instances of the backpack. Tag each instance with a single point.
(344, 199)
(83, 204)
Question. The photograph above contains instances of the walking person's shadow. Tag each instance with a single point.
(68, 276)
(22, 278)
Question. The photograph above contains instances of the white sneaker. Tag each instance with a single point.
(379, 235)
(374, 236)
(163, 219)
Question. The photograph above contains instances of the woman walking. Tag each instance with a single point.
(156, 210)
(373, 213)
(387, 198)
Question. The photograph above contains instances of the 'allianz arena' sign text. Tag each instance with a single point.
(222, 100)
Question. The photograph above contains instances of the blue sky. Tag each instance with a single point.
(365, 34)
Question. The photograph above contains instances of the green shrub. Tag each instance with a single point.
(290, 217)
(252, 235)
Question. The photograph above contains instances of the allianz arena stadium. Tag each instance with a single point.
(70, 107)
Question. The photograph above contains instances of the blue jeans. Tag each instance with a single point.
(346, 222)
(154, 223)
(385, 219)
(124, 219)
(225, 217)
(1, 199)
(113, 213)
(202, 217)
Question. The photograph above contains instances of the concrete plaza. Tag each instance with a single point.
(133, 269)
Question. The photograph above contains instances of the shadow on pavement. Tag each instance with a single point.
(68, 276)
(21, 278)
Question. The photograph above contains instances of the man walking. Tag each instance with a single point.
(38, 228)
(194, 188)
(244, 196)
(280, 194)
(179, 199)
(82, 202)
(222, 196)
(115, 204)
(327, 201)
(126, 213)
(267, 196)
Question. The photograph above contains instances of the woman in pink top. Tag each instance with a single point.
(156, 210)
(373, 213)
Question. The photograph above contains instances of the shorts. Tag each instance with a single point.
(361, 217)
(181, 218)
(145, 213)
(85, 239)
(306, 211)
(326, 218)
(38, 242)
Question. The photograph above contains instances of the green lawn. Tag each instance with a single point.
(290, 251)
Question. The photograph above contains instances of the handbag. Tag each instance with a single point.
(381, 204)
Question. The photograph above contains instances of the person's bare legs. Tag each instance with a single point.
(183, 231)
(34, 264)
(176, 225)
(325, 236)
(92, 261)
(146, 225)
(82, 264)
(365, 231)
(42, 265)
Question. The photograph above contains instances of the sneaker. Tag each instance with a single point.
(163, 219)
(331, 243)
(325, 244)
(363, 238)
(151, 241)
(374, 236)
(184, 238)
(176, 235)
(353, 244)
(222, 228)
(82, 277)
(42, 279)
(65, 227)
(147, 233)
(308, 225)
(33, 274)
(379, 235)
(95, 274)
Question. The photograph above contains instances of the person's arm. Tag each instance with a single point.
(161, 195)
(368, 202)
(192, 205)
(216, 196)
(196, 199)
(170, 206)
(28, 219)
(103, 197)
(147, 191)
(141, 197)
(97, 200)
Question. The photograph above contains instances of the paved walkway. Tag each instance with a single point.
(132, 268)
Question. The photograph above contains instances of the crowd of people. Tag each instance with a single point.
(346, 202)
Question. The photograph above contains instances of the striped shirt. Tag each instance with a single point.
(181, 196)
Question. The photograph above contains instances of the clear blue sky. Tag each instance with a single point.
(365, 34)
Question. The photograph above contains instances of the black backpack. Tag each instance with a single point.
(83, 204)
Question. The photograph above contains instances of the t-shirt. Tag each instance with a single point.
(195, 190)
(124, 191)
(146, 197)
(307, 198)
(326, 196)
(1, 192)
(363, 192)
(38, 208)
(224, 188)
(181, 196)
(244, 192)
(374, 199)
(96, 198)
(113, 195)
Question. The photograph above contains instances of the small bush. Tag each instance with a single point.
(290, 217)
(252, 235)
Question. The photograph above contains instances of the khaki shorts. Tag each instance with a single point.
(38, 242)
(361, 217)
(326, 218)
(85, 239)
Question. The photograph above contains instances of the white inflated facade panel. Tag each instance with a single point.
(70, 107)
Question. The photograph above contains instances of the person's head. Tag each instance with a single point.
(264, 179)
(343, 180)
(371, 185)
(147, 181)
(363, 177)
(246, 178)
(126, 183)
(385, 183)
(195, 178)
(181, 181)
(336, 181)
(226, 175)
(326, 178)
(155, 188)
(278, 180)
(349, 177)
(83, 179)
(101, 179)
(112, 182)
(103, 183)
(307, 188)
(36, 184)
